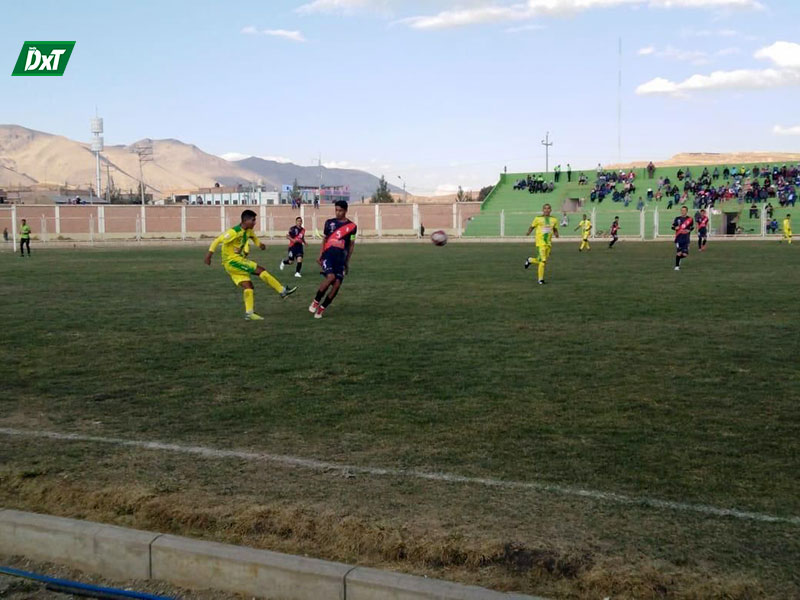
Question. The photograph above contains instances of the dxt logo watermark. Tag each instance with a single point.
(43, 58)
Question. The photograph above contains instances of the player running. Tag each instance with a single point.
(235, 243)
(702, 230)
(787, 229)
(334, 257)
(586, 230)
(614, 232)
(546, 227)
(297, 239)
(682, 226)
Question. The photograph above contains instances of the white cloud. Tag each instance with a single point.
(728, 51)
(340, 6)
(645, 51)
(741, 79)
(781, 130)
(294, 36)
(493, 12)
(785, 55)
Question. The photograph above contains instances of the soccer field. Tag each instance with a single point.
(600, 424)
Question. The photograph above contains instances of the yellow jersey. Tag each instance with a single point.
(787, 226)
(586, 227)
(234, 242)
(544, 228)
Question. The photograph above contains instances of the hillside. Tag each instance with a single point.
(713, 158)
(361, 183)
(29, 157)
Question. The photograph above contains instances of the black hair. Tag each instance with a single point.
(341, 204)
(248, 214)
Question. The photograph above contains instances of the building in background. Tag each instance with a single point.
(327, 194)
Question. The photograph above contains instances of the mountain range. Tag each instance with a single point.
(32, 158)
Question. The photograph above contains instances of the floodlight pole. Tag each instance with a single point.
(547, 143)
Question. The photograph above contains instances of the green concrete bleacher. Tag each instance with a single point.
(518, 207)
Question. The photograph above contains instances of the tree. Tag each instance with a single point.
(484, 192)
(382, 194)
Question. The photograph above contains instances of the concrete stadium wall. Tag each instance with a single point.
(121, 553)
(106, 222)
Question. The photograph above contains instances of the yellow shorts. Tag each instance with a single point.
(543, 253)
(240, 269)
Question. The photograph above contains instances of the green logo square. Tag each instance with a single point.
(43, 59)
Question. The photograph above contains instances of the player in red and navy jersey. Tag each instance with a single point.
(297, 239)
(614, 232)
(334, 257)
(682, 226)
(702, 230)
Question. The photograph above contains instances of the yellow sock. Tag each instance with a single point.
(249, 300)
(533, 261)
(271, 281)
(541, 270)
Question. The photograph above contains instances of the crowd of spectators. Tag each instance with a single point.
(698, 187)
(535, 184)
(705, 188)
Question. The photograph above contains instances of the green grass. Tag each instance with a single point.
(621, 375)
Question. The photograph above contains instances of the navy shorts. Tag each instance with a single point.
(702, 232)
(333, 263)
(682, 244)
(296, 250)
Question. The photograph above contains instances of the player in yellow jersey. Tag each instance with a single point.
(787, 229)
(235, 247)
(546, 228)
(586, 230)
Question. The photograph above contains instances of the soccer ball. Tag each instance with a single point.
(439, 238)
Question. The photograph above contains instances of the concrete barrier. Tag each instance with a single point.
(120, 553)
(261, 573)
(373, 584)
(113, 551)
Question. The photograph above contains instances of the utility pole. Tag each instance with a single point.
(144, 150)
(547, 143)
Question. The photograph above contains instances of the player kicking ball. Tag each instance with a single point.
(682, 226)
(334, 257)
(235, 243)
(297, 239)
(546, 227)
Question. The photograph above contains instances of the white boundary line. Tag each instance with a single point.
(320, 465)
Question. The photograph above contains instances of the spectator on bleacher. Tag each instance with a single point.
(726, 173)
(557, 173)
(772, 226)
(582, 179)
(769, 209)
(569, 172)
(599, 170)
(651, 170)
(564, 219)
(640, 204)
(650, 193)
(753, 211)
(715, 173)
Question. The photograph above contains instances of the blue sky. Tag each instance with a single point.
(441, 93)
